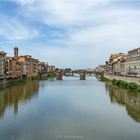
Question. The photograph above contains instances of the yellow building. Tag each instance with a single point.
(116, 64)
(30, 65)
(119, 66)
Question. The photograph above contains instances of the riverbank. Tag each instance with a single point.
(9, 82)
(12, 82)
(127, 79)
(48, 76)
(128, 83)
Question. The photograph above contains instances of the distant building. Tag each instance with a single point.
(43, 67)
(2, 65)
(14, 68)
(101, 68)
(113, 64)
(119, 66)
(123, 66)
(34, 67)
(30, 65)
(89, 69)
(133, 62)
(51, 68)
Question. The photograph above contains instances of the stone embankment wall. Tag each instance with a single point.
(2, 82)
(127, 79)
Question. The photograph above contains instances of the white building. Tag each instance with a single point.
(133, 62)
(51, 68)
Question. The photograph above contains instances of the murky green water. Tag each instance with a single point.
(68, 110)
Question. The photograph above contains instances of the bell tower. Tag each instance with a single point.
(16, 52)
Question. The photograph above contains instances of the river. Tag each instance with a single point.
(68, 110)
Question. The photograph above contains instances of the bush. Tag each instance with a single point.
(104, 79)
(34, 77)
(118, 82)
(132, 86)
(24, 77)
(114, 81)
(123, 84)
(138, 89)
(51, 76)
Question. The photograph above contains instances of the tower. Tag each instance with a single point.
(16, 52)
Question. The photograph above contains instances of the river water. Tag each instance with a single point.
(68, 110)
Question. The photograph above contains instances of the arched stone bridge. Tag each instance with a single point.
(82, 74)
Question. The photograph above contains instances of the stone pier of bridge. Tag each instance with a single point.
(59, 76)
(82, 76)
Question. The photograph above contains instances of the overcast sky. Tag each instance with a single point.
(70, 33)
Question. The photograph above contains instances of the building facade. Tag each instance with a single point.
(30, 65)
(101, 68)
(133, 62)
(51, 68)
(14, 68)
(43, 67)
(116, 64)
(2, 65)
(34, 67)
(119, 66)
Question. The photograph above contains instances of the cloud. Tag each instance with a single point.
(13, 30)
(123, 33)
(62, 12)
(74, 57)
(25, 2)
(65, 13)
(75, 32)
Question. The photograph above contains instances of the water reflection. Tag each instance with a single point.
(13, 95)
(131, 101)
(67, 109)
